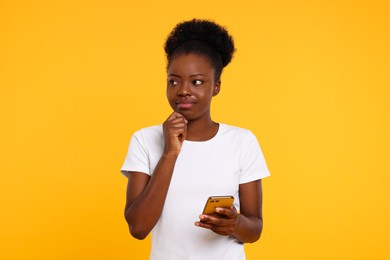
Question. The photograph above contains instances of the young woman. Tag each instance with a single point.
(173, 168)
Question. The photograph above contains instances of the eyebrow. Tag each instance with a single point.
(196, 74)
(173, 74)
(191, 76)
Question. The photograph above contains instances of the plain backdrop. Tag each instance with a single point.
(309, 78)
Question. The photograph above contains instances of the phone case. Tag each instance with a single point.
(217, 201)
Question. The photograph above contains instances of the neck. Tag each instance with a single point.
(201, 129)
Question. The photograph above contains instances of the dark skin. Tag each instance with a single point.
(191, 85)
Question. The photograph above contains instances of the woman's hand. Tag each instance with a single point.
(175, 132)
(245, 227)
(223, 223)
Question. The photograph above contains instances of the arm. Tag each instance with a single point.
(146, 195)
(250, 221)
(246, 227)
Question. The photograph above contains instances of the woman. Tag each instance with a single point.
(174, 167)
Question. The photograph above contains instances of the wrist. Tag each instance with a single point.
(236, 226)
(236, 229)
(170, 155)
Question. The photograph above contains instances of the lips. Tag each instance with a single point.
(185, 104)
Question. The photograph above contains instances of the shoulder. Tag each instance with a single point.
(149, 131)
(235, 131)
(236, 137)
(242, 137)
(151, 135)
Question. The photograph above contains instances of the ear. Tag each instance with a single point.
(217, 88)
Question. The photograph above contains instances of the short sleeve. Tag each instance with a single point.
(137, 158)
(253, 165)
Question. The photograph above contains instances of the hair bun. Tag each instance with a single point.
(205, 31)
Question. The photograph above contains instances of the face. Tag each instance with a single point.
(191, 85)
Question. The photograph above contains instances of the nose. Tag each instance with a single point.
(185, 89)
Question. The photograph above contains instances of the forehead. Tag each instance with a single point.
(189, 64)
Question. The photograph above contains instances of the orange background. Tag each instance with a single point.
(310, 79)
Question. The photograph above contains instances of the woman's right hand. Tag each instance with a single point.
(175, 132)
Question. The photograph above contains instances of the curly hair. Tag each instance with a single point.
(201, 37)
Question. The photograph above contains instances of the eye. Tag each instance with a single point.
(173, 82)
(197, 82)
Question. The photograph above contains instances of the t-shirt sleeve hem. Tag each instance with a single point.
(254, 178)
(126, 172)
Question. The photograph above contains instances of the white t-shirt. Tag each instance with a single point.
(211, 168)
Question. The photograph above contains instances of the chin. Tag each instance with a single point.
(186, 113)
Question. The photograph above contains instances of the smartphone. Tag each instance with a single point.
(217, 201)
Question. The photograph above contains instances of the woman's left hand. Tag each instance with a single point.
(224, 222)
